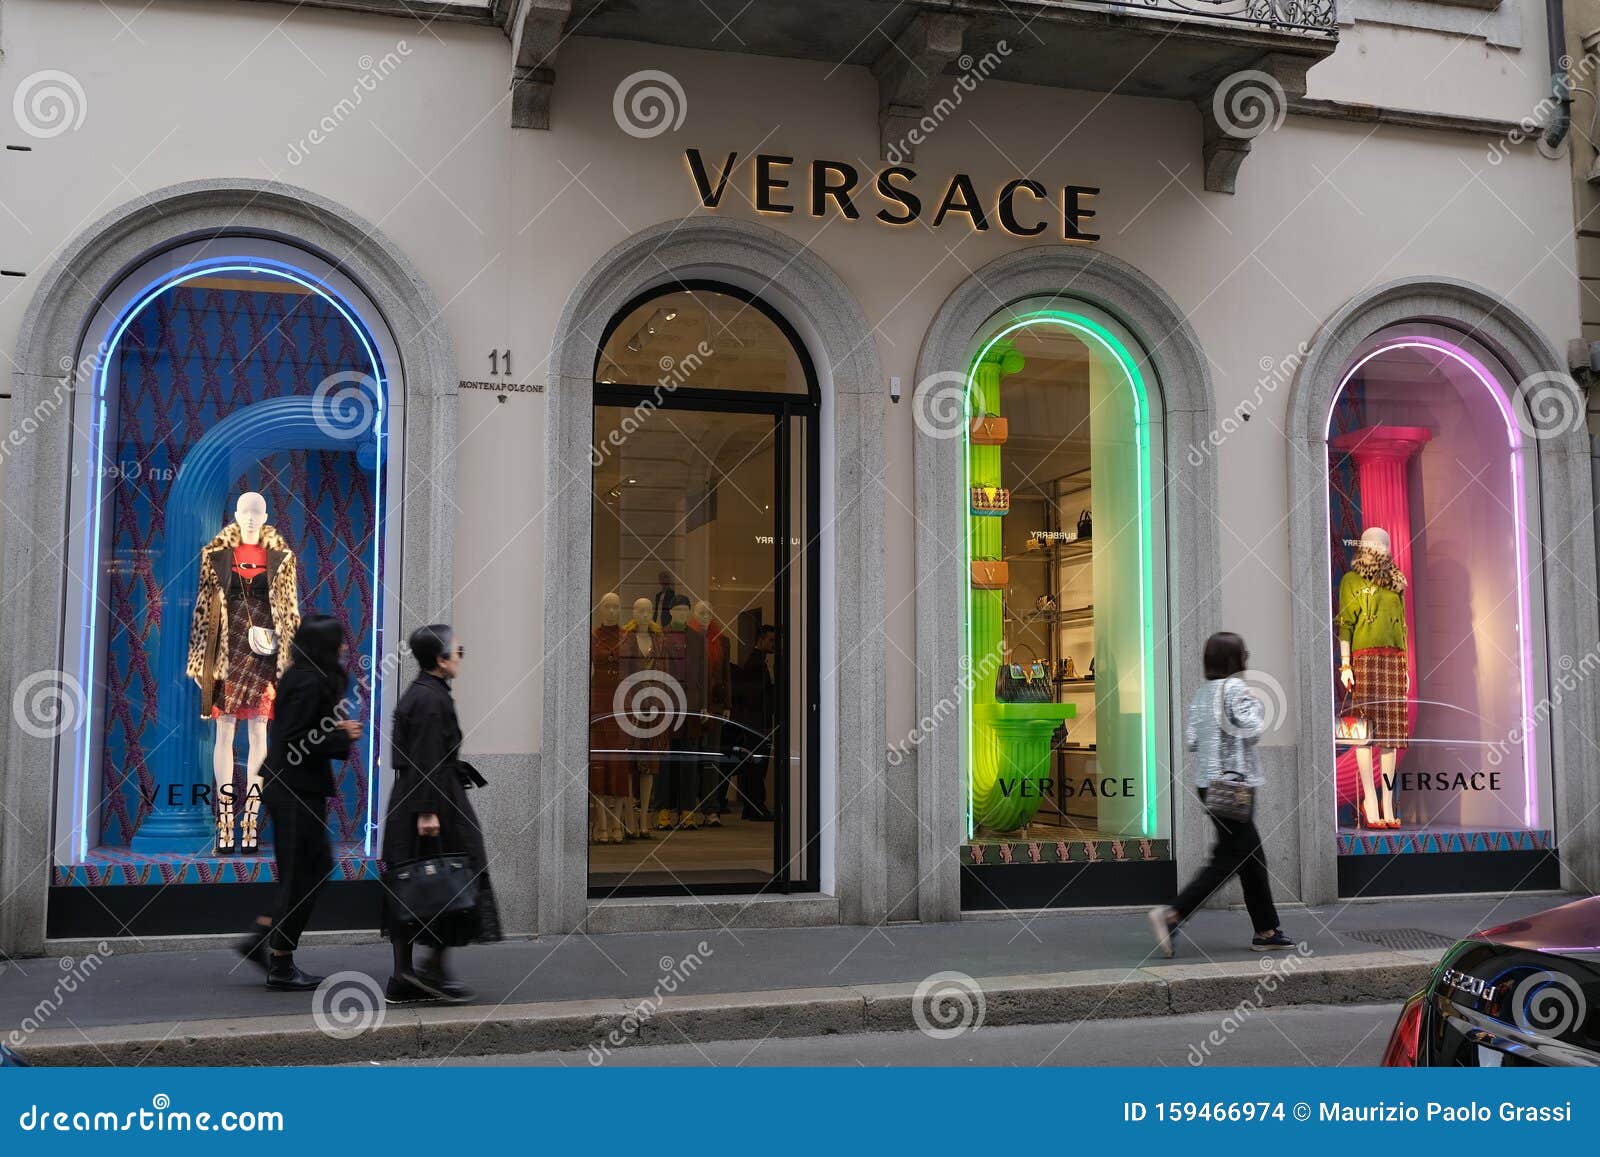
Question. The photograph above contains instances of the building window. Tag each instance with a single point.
(1432, 611)
(703, 682)
(1065, 675)
(232, 473)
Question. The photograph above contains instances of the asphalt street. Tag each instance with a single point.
(1296, 1035)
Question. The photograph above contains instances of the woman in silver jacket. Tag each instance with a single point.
(1222, 725)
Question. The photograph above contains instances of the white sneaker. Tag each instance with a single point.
(1161, 924)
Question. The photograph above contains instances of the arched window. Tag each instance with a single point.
(703, 680)
(1433, 615)
(1065, 619)
(234, 440)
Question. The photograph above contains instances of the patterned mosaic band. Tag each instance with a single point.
(1064, 852)
(119, 866)
(1431, 843)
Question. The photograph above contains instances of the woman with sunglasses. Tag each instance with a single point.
(429, 815)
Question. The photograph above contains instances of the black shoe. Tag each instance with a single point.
(224, 851)
(439, 986)
(253, 948)
(402, 991)
(285, 976)
(1270, 941)
(249, 849)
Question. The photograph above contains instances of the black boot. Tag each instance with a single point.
(283, 974)
(253, 947)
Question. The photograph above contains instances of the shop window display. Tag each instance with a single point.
(1431, 607)
(231, 466)
(1066, 672)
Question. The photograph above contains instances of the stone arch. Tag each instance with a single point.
(1561, 543)
(814, 300)
(69, 294)
(1182, 378)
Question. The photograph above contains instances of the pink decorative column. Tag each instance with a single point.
(1382, 455)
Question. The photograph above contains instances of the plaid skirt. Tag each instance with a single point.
(248, 690)
(1380, 694)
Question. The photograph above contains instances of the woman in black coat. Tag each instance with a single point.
(429, 815)
(309, 730)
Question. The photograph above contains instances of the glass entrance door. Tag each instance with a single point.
(702, 685)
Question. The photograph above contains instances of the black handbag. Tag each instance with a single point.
(1085, 524)
(1229, 797)
(424, 892)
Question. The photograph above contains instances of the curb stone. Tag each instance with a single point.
(436, 1032)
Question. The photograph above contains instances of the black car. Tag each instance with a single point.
(1524, 993)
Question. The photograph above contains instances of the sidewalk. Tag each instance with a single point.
(206, 1007)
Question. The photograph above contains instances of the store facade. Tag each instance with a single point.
(834, 540)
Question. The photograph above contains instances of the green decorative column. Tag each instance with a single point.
(1009, 752)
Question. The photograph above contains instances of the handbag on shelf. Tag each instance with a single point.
(1085, 524)
(990, 574)
(1023, 683)
(1351, 728)
(988, 431)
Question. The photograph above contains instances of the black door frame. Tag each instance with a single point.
(792, 413)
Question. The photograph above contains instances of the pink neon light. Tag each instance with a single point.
(1530, 810)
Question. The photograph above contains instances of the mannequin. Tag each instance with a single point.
(249, 603)
(1373, 667)
(683, 659)
(713, 778)
(641, 650)
(609, 778)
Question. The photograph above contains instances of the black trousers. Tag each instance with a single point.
(1237, 852)
(304, 857)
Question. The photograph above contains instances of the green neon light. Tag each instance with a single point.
(1091, 331)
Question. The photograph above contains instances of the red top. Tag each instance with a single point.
(249, 561)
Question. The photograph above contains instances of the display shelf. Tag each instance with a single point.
(1079, 683)
(1059, 552)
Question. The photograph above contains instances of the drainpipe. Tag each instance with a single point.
(1556, 33)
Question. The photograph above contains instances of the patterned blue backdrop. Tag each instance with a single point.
(194, 354)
